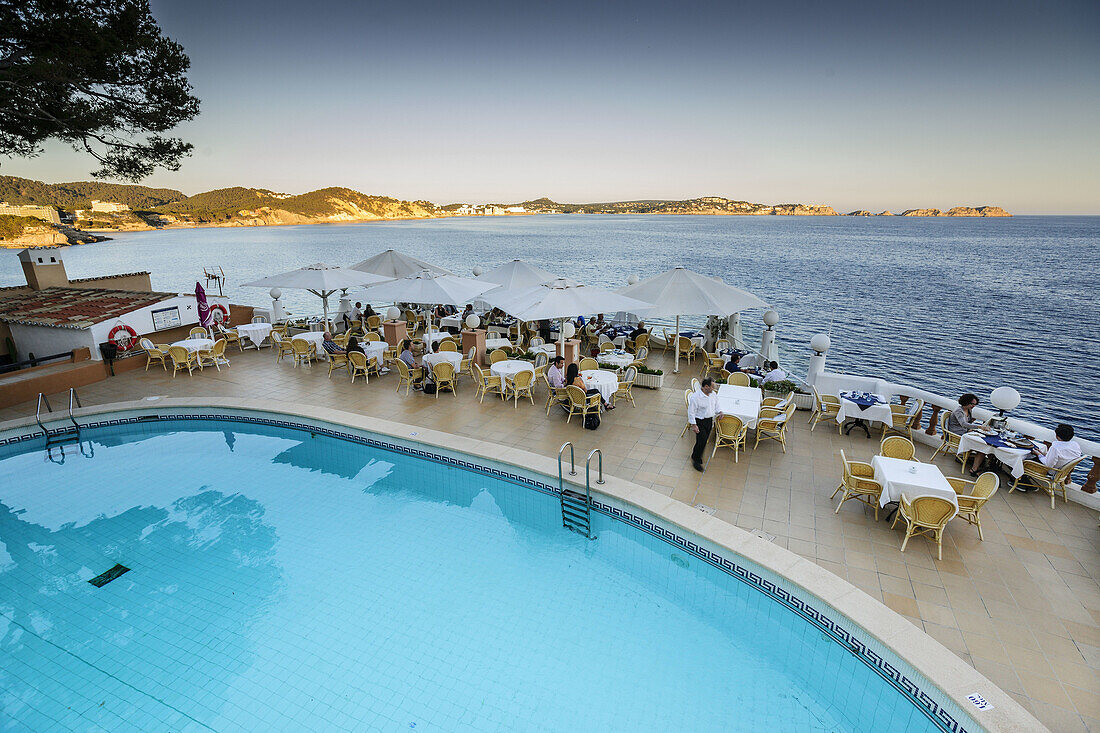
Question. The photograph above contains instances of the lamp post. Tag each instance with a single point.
(767, 339)
(820, 345)
(278, 314)
(1004, 399)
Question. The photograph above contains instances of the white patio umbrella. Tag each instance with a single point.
(431, 289)
(517, 274)
(684, 292)
(560, 299)
(320, 279)
(394, 264)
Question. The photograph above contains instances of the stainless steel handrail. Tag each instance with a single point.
(587, 466)
(38, 412)
(74, 396)
(572, 462)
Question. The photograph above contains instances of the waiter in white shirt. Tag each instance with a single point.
(702, 409)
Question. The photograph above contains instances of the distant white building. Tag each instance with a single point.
(494, 210)
(45, 213)
(516, 210)
(109, 207)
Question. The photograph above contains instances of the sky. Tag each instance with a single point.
(854, 105)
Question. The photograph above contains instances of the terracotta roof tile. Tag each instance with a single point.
(73, 307)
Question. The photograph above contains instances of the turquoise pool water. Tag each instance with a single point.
(286, 580)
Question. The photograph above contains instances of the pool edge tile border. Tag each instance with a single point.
(946, 672)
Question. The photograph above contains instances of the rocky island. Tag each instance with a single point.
(37, 213)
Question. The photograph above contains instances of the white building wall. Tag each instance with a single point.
(141, 320)
(45, 341)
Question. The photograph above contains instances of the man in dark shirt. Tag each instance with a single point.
(638, 331)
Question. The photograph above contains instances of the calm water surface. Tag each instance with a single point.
(950, 305)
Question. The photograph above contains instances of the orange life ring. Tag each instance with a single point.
(219, 313)
(124, 337)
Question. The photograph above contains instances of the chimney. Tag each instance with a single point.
(43, 267)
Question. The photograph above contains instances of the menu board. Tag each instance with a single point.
(166, 318)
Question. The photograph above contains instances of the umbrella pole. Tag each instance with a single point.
(676, 345)
(324, 307)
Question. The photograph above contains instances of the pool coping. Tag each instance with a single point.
(928, 657)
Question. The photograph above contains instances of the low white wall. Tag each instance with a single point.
(141, 320)
(45, 341)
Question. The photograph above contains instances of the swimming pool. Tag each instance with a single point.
(291, 576)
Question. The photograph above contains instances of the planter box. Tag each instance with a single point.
(804, 401)
(649, 381)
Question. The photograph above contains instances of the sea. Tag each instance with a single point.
(951, 305)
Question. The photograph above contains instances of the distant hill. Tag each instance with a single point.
(258, 205)
(79, 194)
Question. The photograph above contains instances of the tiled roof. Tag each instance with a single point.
(106, 277)
(73, 307)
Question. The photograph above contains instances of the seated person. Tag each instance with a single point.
(749, 362)
(1061, 452)
(734, 363)
(467, 311)
(353, 316)
(368, 310)
(961, 421)
(775, 374)
(600, 325)
(353, 345)
(331, 346)
(573, 377)
(556, 373)
(411, 362)
(638, 331)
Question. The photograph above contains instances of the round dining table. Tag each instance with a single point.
(507, 369)
(602, 380)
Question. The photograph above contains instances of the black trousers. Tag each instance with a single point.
(704, 424)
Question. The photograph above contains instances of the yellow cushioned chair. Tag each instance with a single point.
(443, 374)
(554, 395)
(1037, 474)
(521, 386)
(772, 425)
(406, 376)
(358, 366)
(973, 495)
(858, 482)
(303, 351)
(730, 432)
(338, 361)
(924, 515)
(154, 353)
(487, 382)
(826, 407)
(581, 403)
(182, 359)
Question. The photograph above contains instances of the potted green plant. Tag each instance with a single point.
(649, 378)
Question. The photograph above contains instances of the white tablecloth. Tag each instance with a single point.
(550, 350)
(875, 413)
(911, 478)
(621, 361)
(254, 332)
(1013, 458)
(509, 368)
(453, 357)
(377, 349)
(195, 344)
(316, 338)
(606, 382)
(744, 402)
(450, 322)
(497, 343)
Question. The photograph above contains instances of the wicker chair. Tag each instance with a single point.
(282, 346)
(259, 319)
(687, 409)
(712, 364)
(642, 354)
(897, 446)
(182, 359)
(338, 361)
(214, 356)
(949, 442)
(924, 515)
(231, 337)
(497, 355)
(542, 359)
(581, 403)
(406, 376)
(739, 379)
(487, 382)
(465, 366)
(696, 385)
(154, 353)
(668, 341)
(303, 351)
(447, 345)
(588, 363)
(199, 332)
(372, 336)
(625, 390)
(779, 403)
(973, 495)
(374, 322)
(606, 346)
(685, 347)
(722, 345)
(901, 419)
(358, 365)
(443, 374)
(554, 395)
(858, 482)
(730, 432)
(1037, 474)
(639, 343)
(826, 407)
(522, 385)
(772, 425)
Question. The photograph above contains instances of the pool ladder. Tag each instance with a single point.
(61, 436)
(576, 508)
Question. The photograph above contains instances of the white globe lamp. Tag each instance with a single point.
(472, 321)
(770, 319)
(392, 313)
(568, 330)
(1005, 399)
(478, 271)
(275, 293)
(632, 280)
(820, 343)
